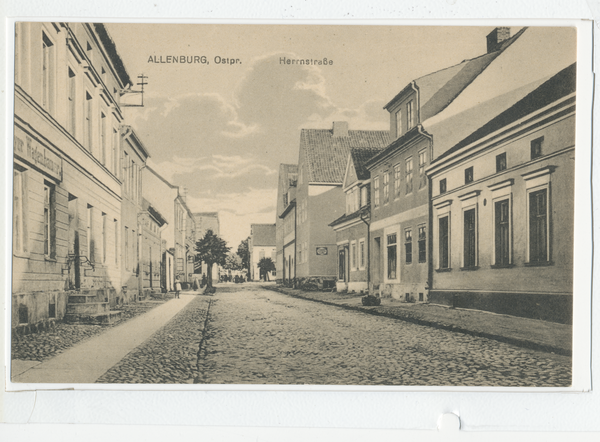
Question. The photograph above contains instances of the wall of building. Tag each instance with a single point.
(355, 278)
(405, 210)
(520, 276)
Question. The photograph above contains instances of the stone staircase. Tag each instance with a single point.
(90, 306)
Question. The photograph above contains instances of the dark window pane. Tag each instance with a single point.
(443, 227)
(443, 186)
(536, 148)
(501, 162)
(469, 175)
(470, 246)
(502, 232)
(538, 226)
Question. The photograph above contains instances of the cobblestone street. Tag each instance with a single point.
(262, 337)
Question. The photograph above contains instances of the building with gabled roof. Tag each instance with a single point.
(400, 252)
(285, 224)
(322, 164)
(352, 228)
(502, 209)
(261, 245)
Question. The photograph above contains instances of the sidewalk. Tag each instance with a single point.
(87, 361)
(523, 332)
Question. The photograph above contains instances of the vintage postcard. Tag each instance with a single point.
(296, 205)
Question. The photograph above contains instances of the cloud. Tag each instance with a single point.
(237, 210)
(215, 166)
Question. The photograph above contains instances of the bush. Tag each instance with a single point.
(371, 300)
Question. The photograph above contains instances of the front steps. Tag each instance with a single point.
(90, 306)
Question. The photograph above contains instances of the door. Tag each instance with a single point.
(342, 264)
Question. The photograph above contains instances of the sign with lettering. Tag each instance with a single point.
(321, 250)
(31, 151)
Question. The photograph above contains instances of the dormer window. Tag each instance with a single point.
(410, 122)
(398, 123)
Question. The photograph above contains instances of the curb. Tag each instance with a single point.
(505, 339)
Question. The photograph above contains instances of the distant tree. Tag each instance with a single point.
(212, 250)
(233, 262)
(265, 266)
(244, 252)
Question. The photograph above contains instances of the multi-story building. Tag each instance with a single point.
(152, 271)
(285, 224)
(503, 209)
(261, 244)
(185, 235)
(166, 198)
(320, 200)
(67, 173)
(352, 228)
(133, 161)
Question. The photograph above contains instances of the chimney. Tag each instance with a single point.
(496, 37)
(340, 128)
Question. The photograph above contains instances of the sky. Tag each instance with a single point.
(221, 130)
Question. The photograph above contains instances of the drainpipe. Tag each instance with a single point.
(368, 251)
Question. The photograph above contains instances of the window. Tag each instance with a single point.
(538, 226)
(376, 192)
(103, 138)
(90, 232)
(364, 196)
(444, 242)
(469, 175)
(386, 188)
(397, 181)
(49, 220)
(126, 257)
(443, 187)
(116, 236)
(536, 148)
(470, 246)
(104, 238)
(72, 103)
(409, 115)
(422, 176)
(47, 73)
(115, 151)
(422, 244)
(409, 175)
(19, 210)
(408, 245)
(501, 162)
(398, 124)
(88, 122)
(502, 232)
(353, 259)
(391, 256)
(361, 253)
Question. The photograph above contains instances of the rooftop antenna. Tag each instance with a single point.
(128, 90)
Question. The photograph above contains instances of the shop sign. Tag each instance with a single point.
(31, 151)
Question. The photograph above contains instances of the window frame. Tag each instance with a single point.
(408, 175)
(422, 243)
(536, 147)
(376, 201)
(501, 162)
(361, 254)
(470, 238)
(353, 256)
(530, 192)
(408, 246)
(49, 220)
(20, 207)
(48, 71)
(391, 253)
(448, 243)
(469, 175)
(410, 119)
(496, 237)
(422, 163)
(397, 180)
(386, 188)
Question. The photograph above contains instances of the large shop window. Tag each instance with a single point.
(49, 220)
(444, 243)
(502, 232)
(470, 243)
(391, 256)
(538, 226)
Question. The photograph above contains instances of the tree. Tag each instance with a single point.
(212, 250)
(265, 266)
(244, 252)
(233, 262)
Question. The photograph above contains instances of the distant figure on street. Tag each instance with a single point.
(177, 287)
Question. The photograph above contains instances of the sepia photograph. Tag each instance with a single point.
(313, 205)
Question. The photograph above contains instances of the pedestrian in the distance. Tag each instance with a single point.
(177, 287)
